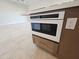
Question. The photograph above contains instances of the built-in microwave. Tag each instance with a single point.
(48, 25)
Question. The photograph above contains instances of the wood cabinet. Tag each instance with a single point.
(46, 44)
(68, 47)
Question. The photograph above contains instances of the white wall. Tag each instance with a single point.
(11, 13)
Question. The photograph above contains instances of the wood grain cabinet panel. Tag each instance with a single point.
(69, 45)
(45, 44)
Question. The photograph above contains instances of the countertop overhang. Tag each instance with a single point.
(55, 7)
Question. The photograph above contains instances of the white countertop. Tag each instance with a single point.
(57, 6)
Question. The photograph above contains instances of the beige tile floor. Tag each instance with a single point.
(16, 43)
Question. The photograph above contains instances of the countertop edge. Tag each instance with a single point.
(55, 7)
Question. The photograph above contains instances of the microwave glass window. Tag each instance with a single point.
(36, 26)
(49, 29)
(46, 28)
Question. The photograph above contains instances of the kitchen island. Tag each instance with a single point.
(67, 48)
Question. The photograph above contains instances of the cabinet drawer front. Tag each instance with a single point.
(46, 44)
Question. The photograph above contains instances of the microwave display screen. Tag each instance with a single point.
(45, 28)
